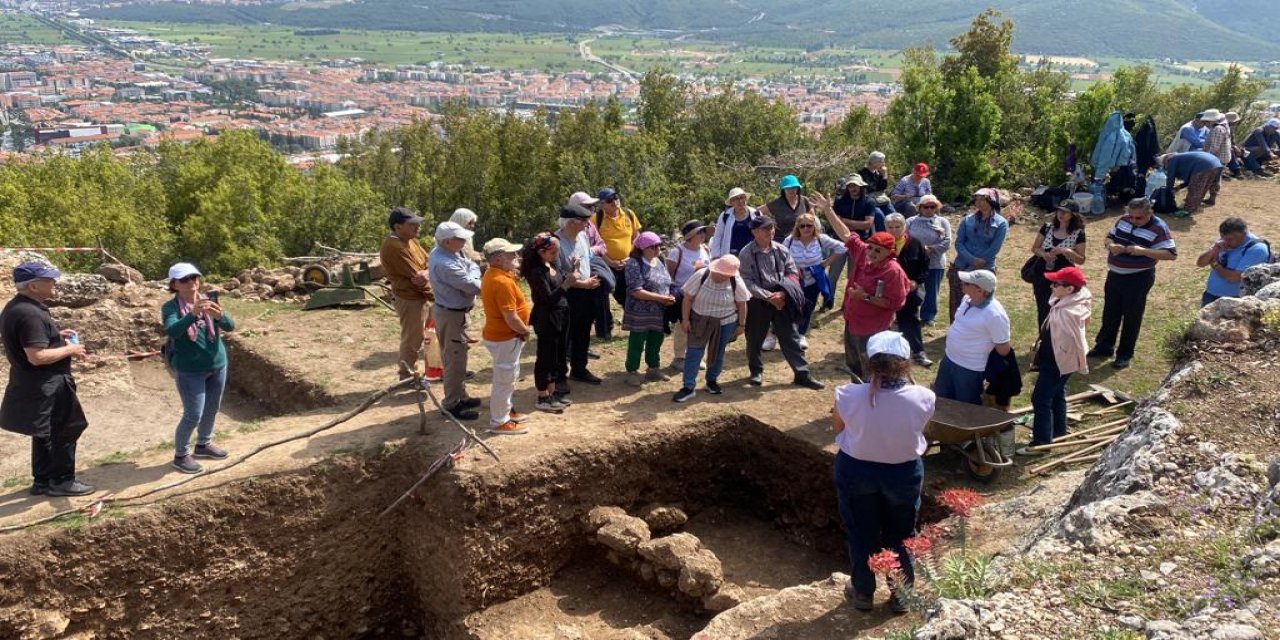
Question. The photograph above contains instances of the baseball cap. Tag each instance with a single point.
(1274, 123)
(762, 222)
(402, 215)
(182, 270)
(28, 271)
(888, 342)
(1069, 205)
(608, 194)
(581, 199)
(1068, 275)
(921, 169)
(574, 210)
(982, 278)
(452, 230)
(500, 245)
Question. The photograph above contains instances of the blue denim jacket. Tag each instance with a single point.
(976, 239)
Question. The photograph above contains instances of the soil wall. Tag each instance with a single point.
(276, 389)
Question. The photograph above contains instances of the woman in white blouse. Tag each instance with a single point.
(813, 251)
(682, 261)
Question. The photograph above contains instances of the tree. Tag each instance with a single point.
(662, 100)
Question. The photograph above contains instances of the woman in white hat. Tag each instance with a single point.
(194, 323)
(733, 225)
(879, 472)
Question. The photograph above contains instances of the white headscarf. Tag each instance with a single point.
(465, 217)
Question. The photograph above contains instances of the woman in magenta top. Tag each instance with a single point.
(876, 290)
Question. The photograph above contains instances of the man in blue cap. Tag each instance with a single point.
(40, 400)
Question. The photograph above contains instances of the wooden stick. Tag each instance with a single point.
(1068, 458)
(1101, 427)
(1083, 395)
(1111, 409)
(1074, 443)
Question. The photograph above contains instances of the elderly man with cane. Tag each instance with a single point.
(40, 400)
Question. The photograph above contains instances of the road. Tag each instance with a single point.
(584, 50)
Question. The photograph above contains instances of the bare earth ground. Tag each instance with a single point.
(349, 353)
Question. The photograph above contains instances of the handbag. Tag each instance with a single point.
(1033, 269)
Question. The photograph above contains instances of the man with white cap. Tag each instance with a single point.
(506, 330)
(40, 399)
(981, 325)
(405, 263)
(733, 225)
(879, 472)
(455, 281)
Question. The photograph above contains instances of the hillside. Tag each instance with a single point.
(1207, 29)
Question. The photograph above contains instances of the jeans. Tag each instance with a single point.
(1049, 399)
(650, 344)
(761, 316)
(1124, 302)
(810, 303)
(958, 383)
(715, 360)
(506, 370)
(908, 318)
(201, 393)
(879, 504)
(932, 283)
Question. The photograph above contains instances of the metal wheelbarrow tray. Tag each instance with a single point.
(974, 431)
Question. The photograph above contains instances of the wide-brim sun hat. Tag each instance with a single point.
(734, 193)
(1213, 115)
(691, 227)
(726, 265)
(647, 239)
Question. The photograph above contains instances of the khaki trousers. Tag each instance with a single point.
(451, 328)
(413, 318)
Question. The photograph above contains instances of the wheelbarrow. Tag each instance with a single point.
(974, 431)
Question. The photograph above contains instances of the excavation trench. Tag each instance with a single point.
(303, 553)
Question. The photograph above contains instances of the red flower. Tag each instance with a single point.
(918, 546)
(933, 532)
(961, 502)
(884, 563)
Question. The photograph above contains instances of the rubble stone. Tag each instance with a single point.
(600, 516)
(1232, 320)
(121, 274)
(726, 597)
(952, 620)
(668, 552)
(623, 533)
(663, 518)
(1255, 278)
(791, 609)
(700, 574)
(76, 290)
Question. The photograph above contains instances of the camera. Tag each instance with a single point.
(213, 296)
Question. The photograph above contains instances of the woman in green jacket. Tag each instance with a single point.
(194, 323)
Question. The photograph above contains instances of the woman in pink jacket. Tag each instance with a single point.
(1061, 353)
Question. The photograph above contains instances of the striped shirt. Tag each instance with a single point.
(1152, 235)
(714, 300)
(906, 187)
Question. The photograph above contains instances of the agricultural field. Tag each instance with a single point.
(16, 28)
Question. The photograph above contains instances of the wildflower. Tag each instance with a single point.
(933, 532)
(884, 563)
(918, 546)
(961, 502)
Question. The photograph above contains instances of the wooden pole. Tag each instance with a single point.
(1083, 395)
(1069, 458)
(1075, 443)
(1101, 427)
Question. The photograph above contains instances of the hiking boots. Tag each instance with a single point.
(38, 488)
(633, 379)
(470, 403)
(187, 464)
(462, 413)
(585, 376)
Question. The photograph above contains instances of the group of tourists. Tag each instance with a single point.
(1204, 151)
(757, 273)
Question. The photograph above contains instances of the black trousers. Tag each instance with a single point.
(1124, 303)
(551, 362)
(53, 458)
(604, 312)
(1042, 291)
(908, 318)
(582, 313)
(762, 316)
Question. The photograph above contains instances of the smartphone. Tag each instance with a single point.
(213, 296)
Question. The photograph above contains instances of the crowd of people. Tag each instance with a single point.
(752, 273)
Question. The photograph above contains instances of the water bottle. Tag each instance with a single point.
(1099, 198)
(879, 288)
(1157, 179)
(74, 338)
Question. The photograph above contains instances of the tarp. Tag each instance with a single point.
(1114, 147)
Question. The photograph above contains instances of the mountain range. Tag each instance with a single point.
(1247, 30)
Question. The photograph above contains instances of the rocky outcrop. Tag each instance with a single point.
(121, 274)
(1235, 320)
(1255, 278)
(78, 290)
(785, 614)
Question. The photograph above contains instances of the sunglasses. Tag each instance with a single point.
(188, 279)
(1056, 285)
(929, 206)
(543, 241)
(805, 226)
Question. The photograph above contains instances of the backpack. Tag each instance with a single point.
(1272, 258)
(1162, 200)
(635, 222)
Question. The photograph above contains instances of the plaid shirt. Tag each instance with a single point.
(1218, 142)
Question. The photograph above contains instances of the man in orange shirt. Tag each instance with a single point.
(506, 329)
(405, 263)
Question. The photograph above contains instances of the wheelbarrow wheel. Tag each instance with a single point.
(983, 473)
(317, 274)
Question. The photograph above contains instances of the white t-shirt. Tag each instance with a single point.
(686, 257)
(975, 332)
(716, 300)
(892, 432)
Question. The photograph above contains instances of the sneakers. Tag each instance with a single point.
(210, 451)
(756, 379)
(770, 343)
(562, 398)
(1029, 452)
(656, 375)
(470, 403)
(187, 464)
(38, 488)
(508, 428)
(585, 376)
(921, 359)
(713, 388)
(593, 354)
(633, 379)
(517, 417)
(549, 404)
(807, 381)
(804, 342)
(70, 488)
(677, 364)
(1121, 363)
(462, 413)
(684, 394)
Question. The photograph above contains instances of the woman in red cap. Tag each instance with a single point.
(1060, 352)
(913, 186)
(876, 290)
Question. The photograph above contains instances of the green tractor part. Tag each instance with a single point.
(353, 286)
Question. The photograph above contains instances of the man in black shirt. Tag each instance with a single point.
(40, 400)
